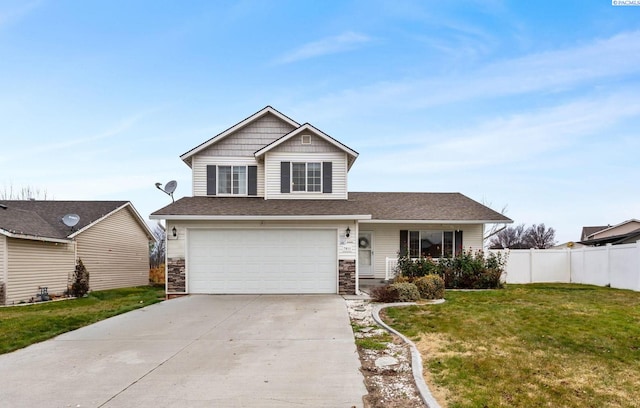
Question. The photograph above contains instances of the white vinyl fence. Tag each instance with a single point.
(615, 265)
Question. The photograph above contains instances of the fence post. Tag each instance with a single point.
(609, 263)
(569, 264)
(638, 264)
(531, 265)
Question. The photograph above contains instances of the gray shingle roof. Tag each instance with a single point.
(44, 218)
(381, 206)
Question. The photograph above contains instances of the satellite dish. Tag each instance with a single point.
(71, 220)
(170, 187)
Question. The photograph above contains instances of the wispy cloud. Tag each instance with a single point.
(7, 16)
(553, 71)
(331, 45)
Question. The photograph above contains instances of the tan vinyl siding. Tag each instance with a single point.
(32, 264)
(251, 138)
(115, 252)
(3, 260)
(199, 169)
(339, 174)
(386, 239)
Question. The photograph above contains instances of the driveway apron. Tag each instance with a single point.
(197, 351)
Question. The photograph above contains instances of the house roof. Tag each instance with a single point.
(629, 237)
(309, 128)
(588, 231)
(33, 219)
(376, 207)
(186, 157)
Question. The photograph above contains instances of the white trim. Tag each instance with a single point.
(268, 109)
(311, 128)
(34, 237)
(258, 217)
(372, 221)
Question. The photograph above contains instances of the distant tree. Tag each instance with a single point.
(495, 227)
(539, 237)
(157, 249)
(510, 237)
(24, 193)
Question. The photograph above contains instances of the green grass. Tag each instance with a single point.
(21, 326)
(538, 345)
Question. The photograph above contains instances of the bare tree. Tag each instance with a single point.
(510, 237)
(540, 237)
(24, 193)
(495, 228)
(157, 249)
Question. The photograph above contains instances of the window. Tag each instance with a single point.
(306, 177)
(434, 244)
(232, 180)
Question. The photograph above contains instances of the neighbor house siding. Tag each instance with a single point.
(251, 138)
(35, 264)
(199, 168)
(339, 174)
(386, 239)
(115, 252)
(622, 229)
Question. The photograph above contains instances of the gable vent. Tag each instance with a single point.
(306, 139)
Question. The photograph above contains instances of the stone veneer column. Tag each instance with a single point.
(176, 276)
(347, 277)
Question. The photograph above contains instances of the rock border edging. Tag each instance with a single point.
(416, 359)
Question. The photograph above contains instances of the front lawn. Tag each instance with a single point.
(21, 326)
(550, 345)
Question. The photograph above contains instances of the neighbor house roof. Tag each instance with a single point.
(588, 231)
(33, 219)
(376, 207)
(628, 238)
(186, 157)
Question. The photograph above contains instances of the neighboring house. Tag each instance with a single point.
(38, 250)
(271, 213)
(626, 232)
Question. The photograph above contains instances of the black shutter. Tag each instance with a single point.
(211, 180)
(404, 242)
(458, 243)
(285, 177)
(252, 172)
(327, 177)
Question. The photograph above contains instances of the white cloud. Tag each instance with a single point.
(330, 45)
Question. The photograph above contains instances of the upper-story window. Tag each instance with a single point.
(232, 180)
(306, 177)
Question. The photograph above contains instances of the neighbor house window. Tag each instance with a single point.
(232, 180)
(434, 244)
(306, 177)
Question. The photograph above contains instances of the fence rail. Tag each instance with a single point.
(617, 266)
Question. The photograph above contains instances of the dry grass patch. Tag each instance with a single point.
(526, 346)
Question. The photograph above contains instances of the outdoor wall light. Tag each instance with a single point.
(174, 231)
(347, 232)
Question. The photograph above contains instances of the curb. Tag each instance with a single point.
(416, 360)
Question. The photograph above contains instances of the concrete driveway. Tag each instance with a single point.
(197, 351)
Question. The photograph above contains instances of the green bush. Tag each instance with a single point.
(468, 270)
(407, 292)
(384, 294)
(430, 286)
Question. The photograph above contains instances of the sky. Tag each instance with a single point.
(532, 108)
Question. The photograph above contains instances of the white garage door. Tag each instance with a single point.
(262, 261)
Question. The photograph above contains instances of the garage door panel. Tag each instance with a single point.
(262, 261)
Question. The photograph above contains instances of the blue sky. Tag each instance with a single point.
(530, 105)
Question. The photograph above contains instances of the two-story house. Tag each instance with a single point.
(271, 213)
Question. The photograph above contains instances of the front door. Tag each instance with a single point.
(365, 254)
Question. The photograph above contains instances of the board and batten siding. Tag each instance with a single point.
(33, 264)
(386, 239)
(339, 174)
(251, 138)
(199, 171)
(115, 252)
